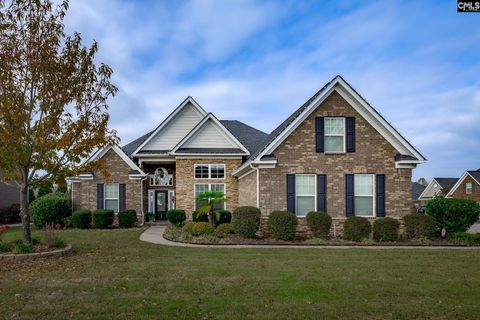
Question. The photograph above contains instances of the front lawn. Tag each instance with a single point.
(115, 275)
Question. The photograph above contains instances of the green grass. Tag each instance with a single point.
(114, 275)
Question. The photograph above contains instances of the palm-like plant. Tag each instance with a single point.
(211, 198)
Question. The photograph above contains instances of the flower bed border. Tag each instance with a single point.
(68, 250)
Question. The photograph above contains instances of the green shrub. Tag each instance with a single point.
(23, 248)
(356, 228)
(198, 228)
(127, 218)
(58, 242)
(455, 215)
(224, 229)
(82, 219)
(102, 218)
(419, 226)
(385, 229)
(246, 221)
(199, 216)
(320, 224)
(464, 238)
(223, 216)
(282, 225)
(5, 246)
(176, 216)
(36, 240)
(50, 209)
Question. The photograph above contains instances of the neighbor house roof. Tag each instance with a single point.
(446, 183)
(417, 190)
(475, 174)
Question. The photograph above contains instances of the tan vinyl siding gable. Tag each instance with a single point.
(209, 136)
(176, 130)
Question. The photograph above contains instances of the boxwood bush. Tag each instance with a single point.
(356, 228)
(224, 229)
(223, 216)
(82, 219)
(198, 228)
(282, 225)
(455, 215)
(199, 217)
(50, 209)
(102, 218)
(385, 229)
(246, 221)
(176, 216)
(127, 218)
(320, 224)
(419, 226)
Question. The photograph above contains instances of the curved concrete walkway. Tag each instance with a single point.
(154, 234)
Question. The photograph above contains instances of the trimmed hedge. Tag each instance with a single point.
(176, 216)
(419, 226)
(385, 229)
(198, 228)
(223, 216)
(246, 221)
(102, 218)
(356, 228)
(224, 229)
(320, 224)
(127, 218)
(455, 215)
(82, 219)
(282, 225)
(50, 209)
(199, 217)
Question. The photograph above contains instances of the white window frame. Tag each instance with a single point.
(344, 135)
(209, 165)
(209, 189)
(374, 188)
(468, 187)
(105, 196)
(306, 195)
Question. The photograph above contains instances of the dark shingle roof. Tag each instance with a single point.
(250, 137)
(400, 157)
(446, 183)
(475, 175)
(417, 190)
(132, 146)
(210, 150)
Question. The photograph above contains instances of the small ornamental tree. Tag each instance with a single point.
(53, 99)
(210, 198)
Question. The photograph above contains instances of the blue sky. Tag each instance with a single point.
(416, 62)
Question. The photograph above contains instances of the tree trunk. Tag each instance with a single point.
(27, 234)
(211, 216)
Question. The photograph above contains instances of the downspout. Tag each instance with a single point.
(141, 199)
(258, 184)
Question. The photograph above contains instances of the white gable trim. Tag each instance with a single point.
(362, 107)
(223, 131)
(100, 153)
(170, 117)
(428, 188)
(459, 182)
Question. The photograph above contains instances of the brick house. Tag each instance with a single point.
(438, 187)
(335, 153)
(467, 187)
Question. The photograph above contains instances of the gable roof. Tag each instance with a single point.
(417, 190)
(408, 153)
(101, 152)
(188, 101)
(133, 145)
(250, 137)
(443, 184)
(474, 174)
(235, 146)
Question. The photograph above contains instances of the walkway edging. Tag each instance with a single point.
(36, 255)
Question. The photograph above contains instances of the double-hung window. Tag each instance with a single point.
(364, 195)
(468, 188)
(209, 171)
(205, 187)
(334, 134)
(111, 196)
(305, 193)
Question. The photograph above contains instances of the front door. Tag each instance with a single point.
(161, 204)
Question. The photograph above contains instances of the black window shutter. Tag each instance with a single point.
(380, 197)
(349, 195)
(291, 193)
(322, 192)
(100, 201)
(319, 135)
(121, 197)
(350, 123)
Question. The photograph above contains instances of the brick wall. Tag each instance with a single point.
(85, 192)
(185, 182)
(373, 155)
(461, 192)
(248, 190)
